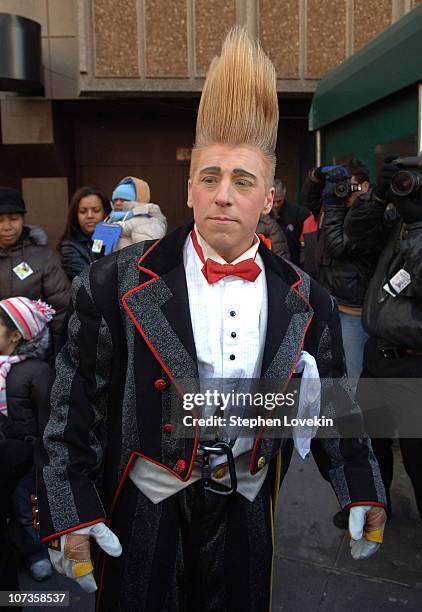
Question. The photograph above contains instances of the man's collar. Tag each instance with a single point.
(164, 255)
(210, 253)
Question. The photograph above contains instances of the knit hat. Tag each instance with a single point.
(29, 316)
(11, 201)
(125, 191)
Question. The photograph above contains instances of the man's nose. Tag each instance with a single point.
(224, 195)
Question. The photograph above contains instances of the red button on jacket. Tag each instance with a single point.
(160, 384)
(168, 427)
(180, 465)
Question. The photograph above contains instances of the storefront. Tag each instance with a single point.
(370, 105)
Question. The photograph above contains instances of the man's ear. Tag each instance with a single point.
(190, 203)
(269, 201)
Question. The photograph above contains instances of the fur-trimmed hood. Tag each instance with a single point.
(38, 347)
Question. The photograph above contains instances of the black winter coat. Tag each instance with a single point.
(76, 254)
(395, 321)
(345, 266)
(290, 219)
(26, 391)
(48, 282)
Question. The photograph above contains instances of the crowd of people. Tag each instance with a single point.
(362, 248)
(366, 250)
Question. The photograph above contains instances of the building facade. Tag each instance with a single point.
(122, 80)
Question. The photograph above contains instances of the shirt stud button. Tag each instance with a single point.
(233, 334)
(232, 313)
(232, 357)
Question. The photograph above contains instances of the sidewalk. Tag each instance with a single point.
(313, 569)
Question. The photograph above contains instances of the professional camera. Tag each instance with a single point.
(407, 182)
(342, 179)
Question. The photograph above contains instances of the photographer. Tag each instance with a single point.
(343, 267)
(392, 313)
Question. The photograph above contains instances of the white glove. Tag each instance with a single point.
(70, 554)
(366, 532)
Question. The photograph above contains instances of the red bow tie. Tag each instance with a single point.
(247, 269)
(214, 271)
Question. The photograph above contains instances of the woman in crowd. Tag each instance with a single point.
(27, 267)
(88, 207)
(24, 377)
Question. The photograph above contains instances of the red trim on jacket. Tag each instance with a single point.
(158, 358)
(81, 526)
(364, 503)
(132, 457)
(143, 257)
(167, 371)
(141, 331)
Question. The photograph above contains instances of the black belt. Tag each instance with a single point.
(217, 448)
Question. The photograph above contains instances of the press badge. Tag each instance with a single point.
(97, 246)
(22, 270)
(397, 283)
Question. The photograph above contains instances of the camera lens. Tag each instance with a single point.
(341, 190)
(404, 183)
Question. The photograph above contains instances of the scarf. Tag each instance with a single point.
(6, 362)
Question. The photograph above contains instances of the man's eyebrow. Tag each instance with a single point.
(214, 169)
(243, 172)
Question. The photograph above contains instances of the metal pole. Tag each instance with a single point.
(318, 142)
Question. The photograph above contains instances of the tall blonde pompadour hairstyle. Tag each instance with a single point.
(239, 100)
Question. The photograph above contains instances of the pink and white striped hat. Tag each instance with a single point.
(29, 316)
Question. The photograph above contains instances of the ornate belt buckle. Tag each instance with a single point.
(218, 448)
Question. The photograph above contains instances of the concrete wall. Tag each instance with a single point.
(145, 46)
(167, 46)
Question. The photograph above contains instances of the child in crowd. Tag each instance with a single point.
(141, 219)
(24, 377)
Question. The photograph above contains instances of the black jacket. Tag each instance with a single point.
(76, 254)
(395, 321)
(291, 218)
(27, 394)
(345, 266)
(131, 335)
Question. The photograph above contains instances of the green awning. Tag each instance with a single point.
(386, 64)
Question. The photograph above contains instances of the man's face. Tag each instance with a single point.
(356, 194)
(278, 202)
(228, 191)
(11, 226)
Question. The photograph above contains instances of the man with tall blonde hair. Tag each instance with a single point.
(186, 523)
